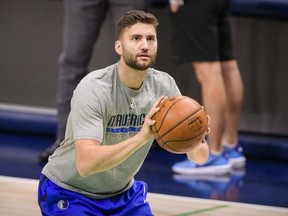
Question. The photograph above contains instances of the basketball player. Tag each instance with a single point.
(108, 133)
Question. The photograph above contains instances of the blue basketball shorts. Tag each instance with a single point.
(55, 200)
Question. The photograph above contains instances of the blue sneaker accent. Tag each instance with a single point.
(237, 176)
(216, 164)
(235, 156)
(205, 186)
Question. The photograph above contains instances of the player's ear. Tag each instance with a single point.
(118, 47)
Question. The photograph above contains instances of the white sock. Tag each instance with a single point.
(229, 145)
(215, 153)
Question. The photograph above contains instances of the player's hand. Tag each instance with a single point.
(145, 131)
(208, 123)
(200, 154)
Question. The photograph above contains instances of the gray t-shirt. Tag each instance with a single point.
(104, 109)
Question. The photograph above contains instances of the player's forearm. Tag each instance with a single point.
(97, 158)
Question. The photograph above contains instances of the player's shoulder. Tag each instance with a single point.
(158, 74)
(100, 78)
(97, 81)
(100, 74)
(162, 82)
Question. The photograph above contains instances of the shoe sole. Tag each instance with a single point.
(237, 162)
(216, 170)
(206, 177)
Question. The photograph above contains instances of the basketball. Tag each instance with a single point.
(181, 122)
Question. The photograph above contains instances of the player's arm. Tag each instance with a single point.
(92, 157)
(200, 153)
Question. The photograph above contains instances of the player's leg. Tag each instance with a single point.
(134, 201)
(54, 200)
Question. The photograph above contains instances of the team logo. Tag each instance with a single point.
(132, 106)
(63, 204)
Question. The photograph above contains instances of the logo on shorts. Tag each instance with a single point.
(63, 204)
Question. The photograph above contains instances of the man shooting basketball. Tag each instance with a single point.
(108, 133)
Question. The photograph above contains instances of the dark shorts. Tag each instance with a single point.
(200, 31)
(55, 200)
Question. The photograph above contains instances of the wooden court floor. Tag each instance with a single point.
(18, 197)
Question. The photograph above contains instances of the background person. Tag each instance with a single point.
(201, 35)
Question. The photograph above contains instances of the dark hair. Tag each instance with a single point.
(135, 16)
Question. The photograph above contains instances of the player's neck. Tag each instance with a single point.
(130, 77)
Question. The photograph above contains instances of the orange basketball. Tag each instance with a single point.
(180, 123)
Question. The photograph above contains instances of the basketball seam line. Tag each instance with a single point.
(166, 114)
(178, 124)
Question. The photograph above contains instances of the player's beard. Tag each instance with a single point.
(131, 61)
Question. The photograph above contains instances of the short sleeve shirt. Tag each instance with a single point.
(104, 109)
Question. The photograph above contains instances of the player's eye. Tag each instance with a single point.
(151, 39)
(136, 38)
